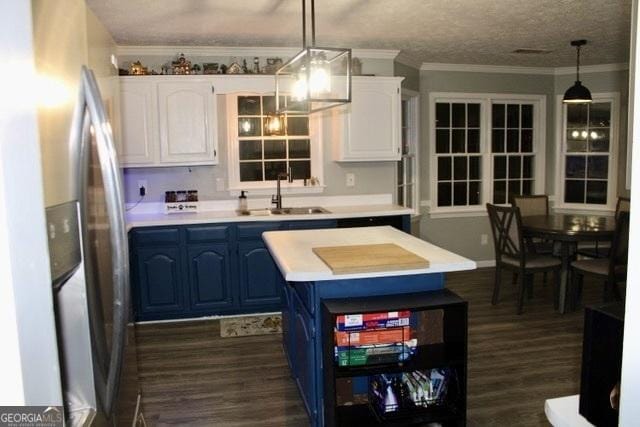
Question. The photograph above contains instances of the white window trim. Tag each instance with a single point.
(414, 125)
(612, 178)
(485, 100)
(233, 168)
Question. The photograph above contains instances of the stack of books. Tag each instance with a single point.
(373, 338)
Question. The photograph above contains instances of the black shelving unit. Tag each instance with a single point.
(450, 353)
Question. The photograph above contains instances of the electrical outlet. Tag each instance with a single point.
(143, 188)
(484, 239)
(351, 180)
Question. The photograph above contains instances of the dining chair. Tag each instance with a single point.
(601, 250)
(511, 254)
(611, 270)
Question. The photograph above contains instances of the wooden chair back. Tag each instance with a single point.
(623, 205)
(532, 205)
(506, 226)
(620, 245)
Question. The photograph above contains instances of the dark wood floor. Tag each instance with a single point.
(191, 376)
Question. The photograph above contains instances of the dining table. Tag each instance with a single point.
(566, 231)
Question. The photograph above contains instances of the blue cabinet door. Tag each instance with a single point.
(209, 277)
(260, 280)
(305, 363)
(159, 280)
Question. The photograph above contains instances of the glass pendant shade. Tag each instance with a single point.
(577, 94)
(274, 125)
(316, 79)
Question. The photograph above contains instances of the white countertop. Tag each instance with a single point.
(563, 412)
(149, 219)
(292, 252)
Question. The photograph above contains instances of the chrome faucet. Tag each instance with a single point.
(276, 199)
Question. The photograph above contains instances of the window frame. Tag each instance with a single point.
(413, 121)
(267, 187)
(560, 153)
(486, 175)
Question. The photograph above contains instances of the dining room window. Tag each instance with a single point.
(485, 148)
(407, 167)
(588, 154)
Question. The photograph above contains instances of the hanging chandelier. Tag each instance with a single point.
(321, 75)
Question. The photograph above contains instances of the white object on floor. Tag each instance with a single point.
(563, 412)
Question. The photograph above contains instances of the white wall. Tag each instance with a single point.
(29, 370)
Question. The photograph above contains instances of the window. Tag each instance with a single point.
(485, 148)
(406, 168)
(589, 144)
(256, 159)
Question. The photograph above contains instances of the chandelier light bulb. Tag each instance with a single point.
(584, 134)
(575, 134)
(594, 134)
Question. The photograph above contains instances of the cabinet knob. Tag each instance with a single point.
(213, 89)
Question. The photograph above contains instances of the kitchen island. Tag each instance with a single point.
(310, 282)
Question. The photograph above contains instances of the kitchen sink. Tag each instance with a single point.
(286, 211)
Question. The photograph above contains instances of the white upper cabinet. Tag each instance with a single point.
(188, 128)
(368, 129)
(139, 129)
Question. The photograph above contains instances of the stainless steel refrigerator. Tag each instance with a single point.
(90, 270)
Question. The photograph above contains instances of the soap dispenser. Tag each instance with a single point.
(242, 202)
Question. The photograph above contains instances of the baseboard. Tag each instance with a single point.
(486, 263)
(204, 318)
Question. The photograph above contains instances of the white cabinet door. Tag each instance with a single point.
(371, 122)
(187, 117)
(138, 121)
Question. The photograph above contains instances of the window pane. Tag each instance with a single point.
(400, 171)
(514, 188)
(442, 115)
(513, 115)
(499, 192)
(442, 141)
(474, 193)
(251, 171)
(272, 169)
(409, 200)
(526, 110)
(275, 149)
(514, 166)
(599, 140)
(458, 141)
(473, 141)
(527, 141)
(473, 115)
(404, 118)
(248, 105)
(597, 192)
(597, 167)
(576, 140)
(527, 166)
(405, 140)
(513, 144)
(497, 141)
(300, 169)
(444, 168)
(574, 191)
(458, 116)
(249, 126)
(575, 167)
(460, 168)
(600, 114)
(409, 168)
(269, 104)
(299, 149)
(500, 167)
(527, 187)
(497, 115)
(444, 194)
(459, 193)
(577, 115)
(297, 125)
(250, 150)
(474, 167)
(401, 196)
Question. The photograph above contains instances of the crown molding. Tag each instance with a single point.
(585, 69)
(506, 69)
(240, 51)
(408, 60)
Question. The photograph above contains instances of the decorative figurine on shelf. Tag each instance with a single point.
(256, 65)
(273, 64)
(137, 69)
(210, 68)
(223, 69)
(234, 68)
(196, 69)
(181, 66)
(165, 69)
(245, 70)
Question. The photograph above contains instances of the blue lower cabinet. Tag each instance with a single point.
(209, 272)
(288, 315)
(305, 363)
(158, 273)
(260, 280)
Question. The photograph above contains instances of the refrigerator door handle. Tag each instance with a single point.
(91, 102)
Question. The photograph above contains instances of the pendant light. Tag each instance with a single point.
(321, 75)
(577, 94)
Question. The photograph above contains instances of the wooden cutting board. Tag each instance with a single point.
(369, 258)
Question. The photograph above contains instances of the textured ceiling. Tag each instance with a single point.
(449, 31)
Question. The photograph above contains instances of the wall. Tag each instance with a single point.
(411, 75)
(463, 235)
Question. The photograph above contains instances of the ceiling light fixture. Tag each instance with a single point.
(321, 75)
(577, 94)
